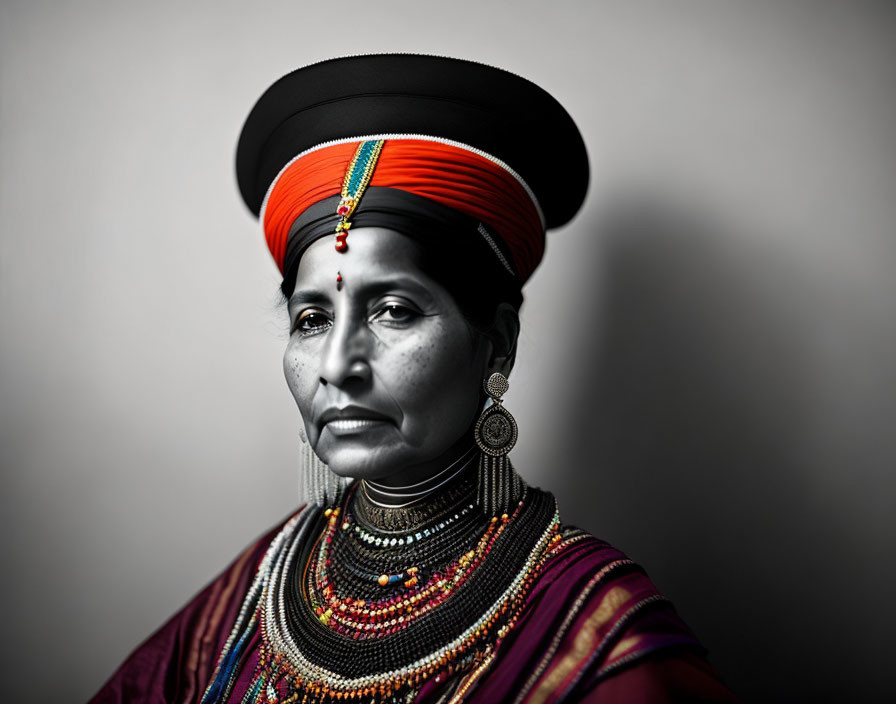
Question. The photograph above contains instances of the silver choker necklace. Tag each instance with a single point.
(412, 493)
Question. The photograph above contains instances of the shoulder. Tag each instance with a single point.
(613, 614)
(177, 661)
(591, 615)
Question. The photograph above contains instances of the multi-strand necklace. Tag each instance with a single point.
(371, 603)
(373, 582)
(379, 620)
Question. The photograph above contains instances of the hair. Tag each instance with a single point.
(473, 275)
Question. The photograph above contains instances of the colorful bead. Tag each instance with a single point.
(357, 177)
(285, 674)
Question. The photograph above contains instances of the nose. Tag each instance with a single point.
(345, 358)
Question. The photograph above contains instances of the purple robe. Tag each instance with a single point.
(593, 629)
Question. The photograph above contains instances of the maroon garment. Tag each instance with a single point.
(594, 629)
(176, 662)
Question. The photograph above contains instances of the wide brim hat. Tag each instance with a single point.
(463, 104)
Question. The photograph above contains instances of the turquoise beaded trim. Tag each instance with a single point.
(357, 178)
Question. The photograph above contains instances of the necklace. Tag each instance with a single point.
(343, 617)
(419, 491)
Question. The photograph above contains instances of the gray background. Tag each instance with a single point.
(708, 350)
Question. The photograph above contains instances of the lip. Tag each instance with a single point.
(351, 419)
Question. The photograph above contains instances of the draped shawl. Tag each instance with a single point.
(594, 628)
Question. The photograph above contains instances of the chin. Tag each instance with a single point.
(358, 463)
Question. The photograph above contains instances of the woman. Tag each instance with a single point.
(405, 199)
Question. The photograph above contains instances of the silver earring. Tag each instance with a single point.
(320, 485)
(500, 487)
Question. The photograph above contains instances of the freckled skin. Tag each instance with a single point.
(391, 342)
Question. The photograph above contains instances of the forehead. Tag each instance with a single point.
(373, 254)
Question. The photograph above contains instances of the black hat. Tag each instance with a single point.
(484, 107)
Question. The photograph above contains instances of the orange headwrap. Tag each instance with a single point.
(452, 175)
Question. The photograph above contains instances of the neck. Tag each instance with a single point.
(395, 494)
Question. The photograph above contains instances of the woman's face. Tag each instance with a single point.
(384, 367)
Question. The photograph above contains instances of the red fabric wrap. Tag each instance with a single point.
(447, 174)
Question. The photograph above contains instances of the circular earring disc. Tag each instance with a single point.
(496, 431)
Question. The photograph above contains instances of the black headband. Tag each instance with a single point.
(411, 215)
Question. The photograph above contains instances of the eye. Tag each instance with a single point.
(311, 321)
(395, 312)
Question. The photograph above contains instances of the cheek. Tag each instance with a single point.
(300, 371)
(436, 376)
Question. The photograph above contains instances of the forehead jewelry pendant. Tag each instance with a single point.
(357, 178)
(338, 281)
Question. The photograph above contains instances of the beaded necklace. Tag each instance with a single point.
(342, 616)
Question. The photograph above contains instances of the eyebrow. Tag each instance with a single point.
(307, 296)
(369, 289)
(400, 282)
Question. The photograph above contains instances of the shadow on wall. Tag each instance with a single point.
(701, 459)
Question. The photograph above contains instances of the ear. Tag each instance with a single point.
(503, 336)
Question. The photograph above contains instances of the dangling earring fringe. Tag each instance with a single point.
(320, 485)
(500, 487)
